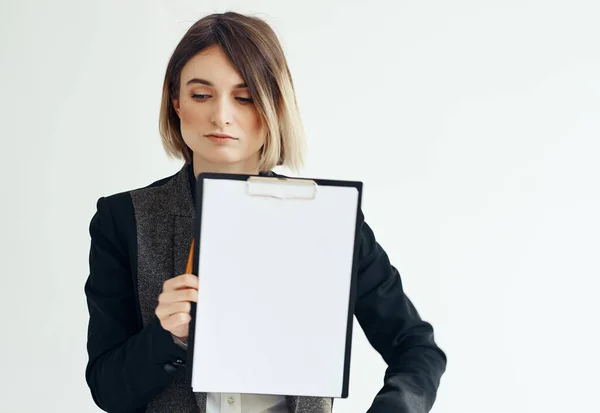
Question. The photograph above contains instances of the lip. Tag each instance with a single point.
(219, 136)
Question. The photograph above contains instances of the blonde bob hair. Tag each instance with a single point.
(254, 49)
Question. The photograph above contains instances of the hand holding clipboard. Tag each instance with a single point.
(175, 302)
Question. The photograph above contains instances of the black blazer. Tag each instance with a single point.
(130, 363)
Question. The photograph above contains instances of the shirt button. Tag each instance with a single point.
(230, 400)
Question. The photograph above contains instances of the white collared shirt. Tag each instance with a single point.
(245, 403)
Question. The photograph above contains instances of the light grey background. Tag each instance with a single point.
(474, 125)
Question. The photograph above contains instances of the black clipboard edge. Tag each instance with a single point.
(354, 272)
(353, 292)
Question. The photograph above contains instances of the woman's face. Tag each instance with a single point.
(219, 121)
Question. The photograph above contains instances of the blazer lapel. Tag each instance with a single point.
(168, 228)
(164, 218)
(182, 211)
(303, 404)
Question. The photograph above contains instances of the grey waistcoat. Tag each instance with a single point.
(165, 219)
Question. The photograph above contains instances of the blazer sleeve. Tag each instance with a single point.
(128, 365)
(395, 330)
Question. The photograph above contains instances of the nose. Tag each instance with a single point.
(222, 113)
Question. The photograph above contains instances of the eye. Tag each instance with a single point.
(200, 96)
(245, 100)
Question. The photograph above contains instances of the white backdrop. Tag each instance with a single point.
(474, 125)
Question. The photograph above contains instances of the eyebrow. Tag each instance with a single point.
(208, 83)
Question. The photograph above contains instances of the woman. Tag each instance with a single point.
(229, 106)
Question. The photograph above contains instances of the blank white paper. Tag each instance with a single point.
(274, 290)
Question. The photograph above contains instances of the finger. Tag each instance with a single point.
(168, 297)
(180, 282)
(176, 320)
(164, 311)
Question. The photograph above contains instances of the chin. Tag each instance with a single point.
(222, 156)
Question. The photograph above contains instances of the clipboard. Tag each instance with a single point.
(277, 264)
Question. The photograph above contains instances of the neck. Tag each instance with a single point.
(247, 167)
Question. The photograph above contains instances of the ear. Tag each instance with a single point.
(175, 103)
